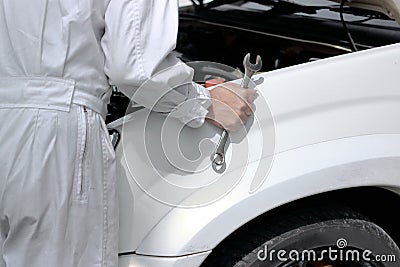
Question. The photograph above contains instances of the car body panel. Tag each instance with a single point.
(203, 228)
(335, 125)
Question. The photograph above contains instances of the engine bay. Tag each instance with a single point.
(283, 33)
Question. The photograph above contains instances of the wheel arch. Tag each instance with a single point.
(360, 199)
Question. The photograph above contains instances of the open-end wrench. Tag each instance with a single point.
(249, 70)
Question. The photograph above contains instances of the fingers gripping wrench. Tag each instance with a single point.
(249, 68)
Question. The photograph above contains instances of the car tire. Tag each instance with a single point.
(335, 228)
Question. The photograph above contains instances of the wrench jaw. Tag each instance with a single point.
(248, 66)
(250, 69)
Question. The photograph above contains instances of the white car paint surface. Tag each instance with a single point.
(336, 125)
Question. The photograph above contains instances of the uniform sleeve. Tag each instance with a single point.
(138, 40)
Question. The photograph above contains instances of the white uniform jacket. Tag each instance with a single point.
(73, 51)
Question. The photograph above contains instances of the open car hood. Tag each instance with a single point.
(389, 7)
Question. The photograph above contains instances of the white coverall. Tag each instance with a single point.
(58, 59)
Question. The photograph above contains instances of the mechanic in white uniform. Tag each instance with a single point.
(58, 59)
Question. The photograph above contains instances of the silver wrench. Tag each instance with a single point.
(249, 70)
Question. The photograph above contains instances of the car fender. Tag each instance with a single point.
(188, 231)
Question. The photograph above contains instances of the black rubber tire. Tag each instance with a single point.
(303, 230)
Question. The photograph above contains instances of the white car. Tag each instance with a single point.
(313, 180)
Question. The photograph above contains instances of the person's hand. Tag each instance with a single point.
(231, 106)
